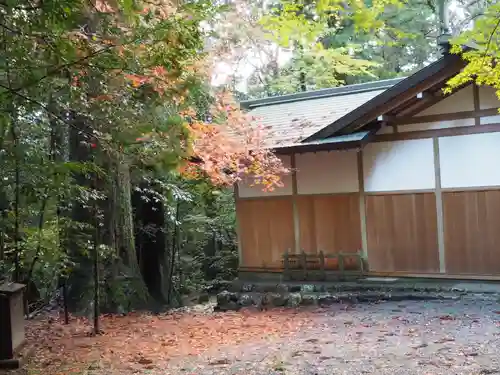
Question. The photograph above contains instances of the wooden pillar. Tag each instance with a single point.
(477, 106)
(296, 218)
(362, 205)
(439, 207)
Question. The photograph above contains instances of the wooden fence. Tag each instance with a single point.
(315, 266)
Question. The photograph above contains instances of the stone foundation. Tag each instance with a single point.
(265, 296)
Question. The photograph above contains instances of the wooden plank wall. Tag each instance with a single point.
(472, 232)
(451, 180)
(402, 232)
(265, 230)
(330, 223)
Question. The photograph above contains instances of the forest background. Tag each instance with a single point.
(118, 119)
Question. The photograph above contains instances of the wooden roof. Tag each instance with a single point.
(319, 120)
(290, 119)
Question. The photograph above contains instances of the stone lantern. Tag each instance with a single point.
(11, 323)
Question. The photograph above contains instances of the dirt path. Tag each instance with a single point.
(461, 337)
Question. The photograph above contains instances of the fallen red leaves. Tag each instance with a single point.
(140, 340)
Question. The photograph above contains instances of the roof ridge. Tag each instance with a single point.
(322, 93)
(447, 61)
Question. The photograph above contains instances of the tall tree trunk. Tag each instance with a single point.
(150, 236)
(173, 250)
(124, 232)
(125, 220)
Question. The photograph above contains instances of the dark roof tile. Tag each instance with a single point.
(289, 119)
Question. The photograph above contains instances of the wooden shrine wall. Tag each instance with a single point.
(421, 198)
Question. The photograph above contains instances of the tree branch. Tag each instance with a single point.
(52, 114)
(491, 38)
(17, 7)
(59, 68)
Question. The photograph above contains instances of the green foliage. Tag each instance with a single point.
(316, 69)
(403, 46)
(336, 43)
(201, 223)
(94, 97)
(480, 48)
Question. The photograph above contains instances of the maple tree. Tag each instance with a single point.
(101, 104)
(117, 154)
(480, 48)
(309, 31)
(116, 151)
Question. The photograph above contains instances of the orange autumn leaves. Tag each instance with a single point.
(139, 342)
(161, 81)
(229, 150)
(233, 149)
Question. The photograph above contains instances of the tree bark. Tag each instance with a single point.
(150, 240)
(173, 251)
(125, 234)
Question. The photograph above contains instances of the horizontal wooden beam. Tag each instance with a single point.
(470, 188)
(435, 74)
(267, 197)
(402, 274)
(447, 132)
(436, 79)
(425, 94)
(420, 134)
(433, 275)
(399, 192)
(333, 146)
(406, 120)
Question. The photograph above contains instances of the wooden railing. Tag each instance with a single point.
(315, 266)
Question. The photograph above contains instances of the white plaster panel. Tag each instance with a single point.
(246, 190)
(490, 120)
(399, 166)
(488, 98)
(470, 160)
(460, 101)
(327, 172)
(386, 130)
(436, 125)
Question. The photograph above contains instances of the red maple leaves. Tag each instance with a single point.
(140, 341)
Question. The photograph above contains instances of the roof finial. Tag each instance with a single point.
(443, 39)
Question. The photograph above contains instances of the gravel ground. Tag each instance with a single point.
(414, 337)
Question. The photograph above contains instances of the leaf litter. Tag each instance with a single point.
(143, 341)
(377, 340)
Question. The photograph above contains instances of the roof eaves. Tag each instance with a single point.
(383, 98)
(323, 93)
(342, 142)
